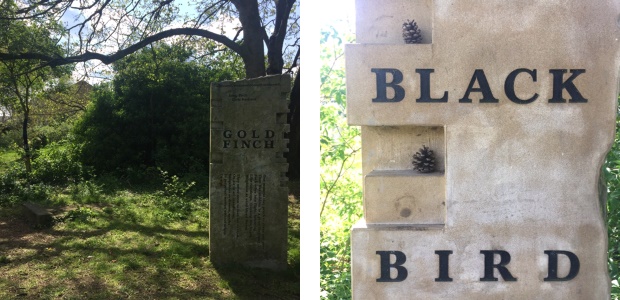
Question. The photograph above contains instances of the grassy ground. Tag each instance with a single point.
(125, 244)
(7, 157)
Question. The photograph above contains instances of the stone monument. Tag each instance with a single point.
(517, 102)
(248, 192)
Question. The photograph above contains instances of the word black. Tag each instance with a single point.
(559, 84)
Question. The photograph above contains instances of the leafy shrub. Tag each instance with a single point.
(57, 164)
(10, 133)
(173, 187)
(43, 135)
(158, 110)
(335, 273)
(86, 191)
(38, 192)
(173, 197)
(53, 165)
(343, 211)
(80, 214)
(15, 188)
(13, 183)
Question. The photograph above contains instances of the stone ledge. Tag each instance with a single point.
(37, 216)
(389, 173)
(362, 225)
(396, 197)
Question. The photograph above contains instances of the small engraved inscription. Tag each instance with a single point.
(252, 207)
(231, 204)
(255, 207)
(241, 97)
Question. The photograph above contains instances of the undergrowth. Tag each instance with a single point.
(127, 234)
(114, 240)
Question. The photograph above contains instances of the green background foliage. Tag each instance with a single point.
(611, 175)
(157, 108)
(341, 191)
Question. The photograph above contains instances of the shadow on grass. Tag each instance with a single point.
(122, 247)
(20, 236)
(125, 260)
(251, 283)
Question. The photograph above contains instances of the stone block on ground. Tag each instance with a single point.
(37, 216)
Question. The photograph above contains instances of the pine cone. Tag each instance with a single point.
(411, 33)
(424, 160)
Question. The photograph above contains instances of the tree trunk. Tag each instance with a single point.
(27, 154)
(253, 51)
(275, 61)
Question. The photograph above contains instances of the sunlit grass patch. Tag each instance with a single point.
(126, 245)
(8, 156)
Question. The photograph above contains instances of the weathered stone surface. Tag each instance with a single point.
(524, 96)
(404, 197)
(378, 22)
(37, 216)
(247, 182)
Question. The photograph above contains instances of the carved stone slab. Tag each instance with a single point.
(248, 192)
(518, 101)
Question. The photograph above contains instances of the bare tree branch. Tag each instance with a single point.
(34, 6)
(108, 59)
(238, 32)
(201, 18)
(294, 64)
(128, 25)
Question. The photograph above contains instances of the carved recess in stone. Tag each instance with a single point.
(386, 27)
(393, 192)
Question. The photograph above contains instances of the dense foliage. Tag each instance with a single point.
(22, 80)
(155, 113)
(611, 174)
(341, 192)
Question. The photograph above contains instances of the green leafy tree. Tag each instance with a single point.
(62, 100)
(154, 113)
(260, 35)
(22, 79)
(341, 192)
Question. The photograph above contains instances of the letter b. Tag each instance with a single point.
(382, 85)
(401, 272)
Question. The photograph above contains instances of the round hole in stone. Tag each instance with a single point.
(405, 212)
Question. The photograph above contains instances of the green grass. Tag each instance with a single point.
(7, 157)
(125, 244)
